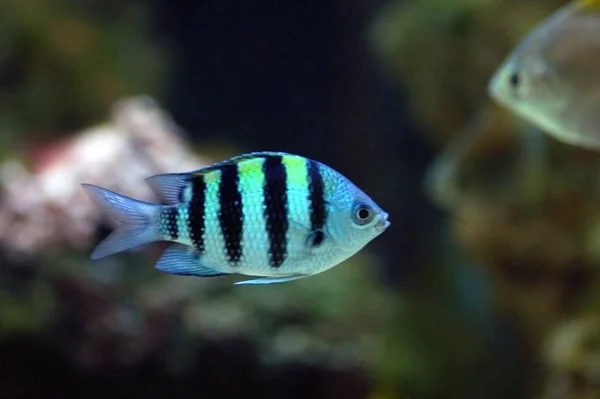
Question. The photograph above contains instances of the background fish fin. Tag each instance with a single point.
(168, 187)
(182, 260)
(271, 280)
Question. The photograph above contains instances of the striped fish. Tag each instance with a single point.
(269, 214)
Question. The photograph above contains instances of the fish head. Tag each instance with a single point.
(354, 218)
(551, 79)
(530, 87)
(525, 82)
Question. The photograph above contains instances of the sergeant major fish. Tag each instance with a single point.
(274, 215)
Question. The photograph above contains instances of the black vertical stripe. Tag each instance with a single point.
(196, 215)
(316, 196)
(276, 202)
(231, 218)
(171, 222)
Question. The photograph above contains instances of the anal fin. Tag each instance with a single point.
(182, 260)
(271, 280)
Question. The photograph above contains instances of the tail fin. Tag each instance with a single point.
(136, 218)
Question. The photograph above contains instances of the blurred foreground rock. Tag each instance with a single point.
(44, 206)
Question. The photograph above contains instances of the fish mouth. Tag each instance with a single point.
(494, 88)
(383, 223)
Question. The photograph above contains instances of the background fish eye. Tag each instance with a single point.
(514, 80)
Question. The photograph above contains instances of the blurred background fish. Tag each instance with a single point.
(551, 78)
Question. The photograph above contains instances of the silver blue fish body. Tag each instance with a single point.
(274, 215)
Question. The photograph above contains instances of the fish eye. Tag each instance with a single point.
(514, 80)
(362, 214)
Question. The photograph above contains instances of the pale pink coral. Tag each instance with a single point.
(47, 207)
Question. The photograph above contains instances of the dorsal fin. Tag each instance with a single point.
(237, 159)
(587, 5)
(169, 186)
